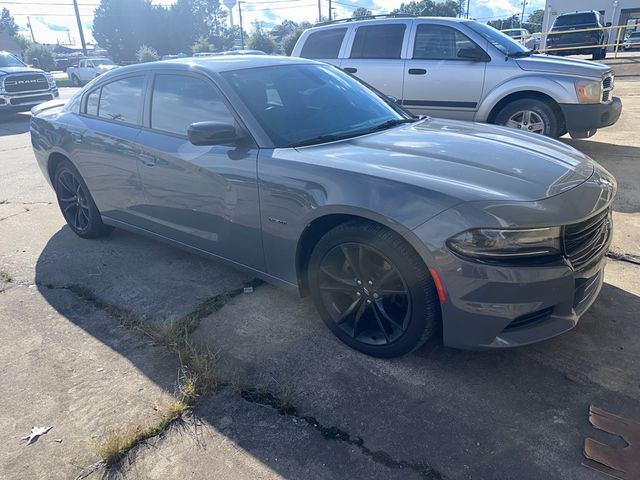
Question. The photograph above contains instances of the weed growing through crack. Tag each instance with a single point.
(5, 276)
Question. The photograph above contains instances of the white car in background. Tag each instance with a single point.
(89, 68)
(523, 36)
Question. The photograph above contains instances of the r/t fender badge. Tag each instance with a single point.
(277, 220)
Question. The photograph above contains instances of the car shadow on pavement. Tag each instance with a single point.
(498, 414)
(14, 123)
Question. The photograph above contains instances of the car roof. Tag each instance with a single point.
(220, 63)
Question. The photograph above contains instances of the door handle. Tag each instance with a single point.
(148, 160)
(417, 71)
(350, 70)
(76, 137)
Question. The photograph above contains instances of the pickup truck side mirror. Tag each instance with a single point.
(212, 133)
(474, 54)
(608, 24)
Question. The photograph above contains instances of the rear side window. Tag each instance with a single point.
(378, 41)
(436, 42)
(121, 100)
(180, 100)
(323, 44)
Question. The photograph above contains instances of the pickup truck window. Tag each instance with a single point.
(8, 60)
(323, 44)
(180, 100)
(121, 100)
(502, 42)
(378, 41)
(436, 42)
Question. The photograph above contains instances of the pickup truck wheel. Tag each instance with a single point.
(75, 81)
(76, 203)
(530, 115)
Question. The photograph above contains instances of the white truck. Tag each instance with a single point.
(89, 68)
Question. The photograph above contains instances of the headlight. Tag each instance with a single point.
(507, 244)
(50, 79)
(589, 92)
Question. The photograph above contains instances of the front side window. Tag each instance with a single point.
(121, 100)
(323, 44)
(180, 100)
(92, 102)
(436, 42)
(378, 41)
(307, 104)
(504, 43)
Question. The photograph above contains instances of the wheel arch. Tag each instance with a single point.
(54, 159)
(524, 95)
(324, 221)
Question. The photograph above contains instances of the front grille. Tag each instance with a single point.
(586, 241)
(607, 87)
(25, 82)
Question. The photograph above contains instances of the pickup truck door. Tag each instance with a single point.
(375, 55)
(437, 81)
(205, 196)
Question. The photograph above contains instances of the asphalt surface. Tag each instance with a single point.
(438, 413)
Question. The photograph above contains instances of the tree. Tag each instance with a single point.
(260, 40)
(120, 26)
(40, 56)
(361, 12)
(534, 21)
(505, 23)
(446, 8)
(147, 54)
(201, 45)
(289, 42)
(23, 41)
(8, 23)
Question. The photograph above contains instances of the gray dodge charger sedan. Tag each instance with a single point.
(400, 228)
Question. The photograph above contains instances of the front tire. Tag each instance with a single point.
(373, 290)
(76, 203)
(530, 115)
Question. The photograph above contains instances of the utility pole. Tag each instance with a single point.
(319, 11)
(524, 4)
(468, 3)
(330, 14)
(84, 45)
(241, 29)
(31, 29)
(69, 36)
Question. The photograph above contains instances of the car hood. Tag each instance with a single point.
(4, 70)
(569, 66)
(465, 160)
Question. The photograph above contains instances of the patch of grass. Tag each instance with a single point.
(5, 276)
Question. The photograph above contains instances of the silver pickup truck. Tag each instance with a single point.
(461, 69)
(89, 68)
(22, 87)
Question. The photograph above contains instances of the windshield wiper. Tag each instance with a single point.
(342, 136)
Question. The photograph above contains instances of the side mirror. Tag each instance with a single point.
(473, 54)
(211, 133)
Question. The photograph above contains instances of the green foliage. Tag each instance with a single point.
(260, 40)
(23, 41)
(534, 21)
(202, 45)
(8, 23)
(147, 54)
(505, 23)
(289, 42)
(41, 56)
(286, 35)
(361, 12)
(446, 8)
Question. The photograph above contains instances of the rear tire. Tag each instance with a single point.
(76, 203)
(373, 290)
(529, 114)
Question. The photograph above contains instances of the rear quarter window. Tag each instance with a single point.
(324, 43)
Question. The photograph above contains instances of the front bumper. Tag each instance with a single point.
(587, 117)
(24, 101)
(499, 306)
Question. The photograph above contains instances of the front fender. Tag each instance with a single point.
(558, 88)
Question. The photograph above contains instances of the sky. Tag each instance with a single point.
(53, 21)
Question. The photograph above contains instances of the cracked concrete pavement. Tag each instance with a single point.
(438, 413)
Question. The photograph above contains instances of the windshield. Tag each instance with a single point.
(8, 60)
(102, 61)
(308, 104)
(502, 42)
(586, 19)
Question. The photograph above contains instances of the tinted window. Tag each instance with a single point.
(299, 103)
(323, 44)
(178, 101)
(378, 41)
(92, 102)
(122, 100)
(576, 19)
(435, 42)
(8, 60)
